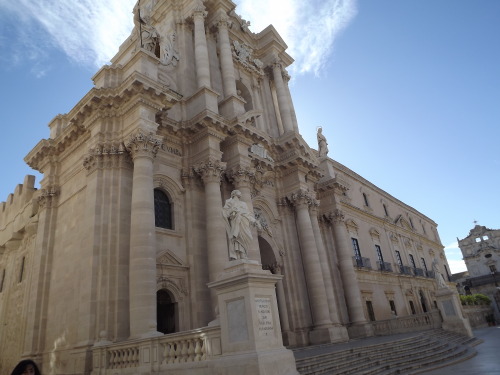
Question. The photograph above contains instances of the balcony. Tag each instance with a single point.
(405, 270)
(360, 262)
(418, 272)
(384, 266)
(430, 274)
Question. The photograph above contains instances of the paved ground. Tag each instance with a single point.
(487, 360)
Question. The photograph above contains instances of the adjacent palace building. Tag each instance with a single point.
(116, 260)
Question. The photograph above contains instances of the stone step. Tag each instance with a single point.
(412, 355)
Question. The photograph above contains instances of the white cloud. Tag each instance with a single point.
(89, 32)
(453, 245)
(456, 265)
(308, 27)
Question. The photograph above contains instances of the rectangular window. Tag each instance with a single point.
(365, 197)
(379, 254)
(424, 264)
(21, 271)
(412, 307)
(371, 313)
(2, 279)
(412, 261)
(355, 246)
(393, 307)
(398, 258)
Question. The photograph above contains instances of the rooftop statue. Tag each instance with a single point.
(322, 144)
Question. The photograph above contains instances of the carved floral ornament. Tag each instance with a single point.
(303, 196)
(241, 175)
(143, 144)
(210, 170)
(259, 216)
(243, 54)
(48, 196)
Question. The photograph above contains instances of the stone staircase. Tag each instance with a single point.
(401, 354)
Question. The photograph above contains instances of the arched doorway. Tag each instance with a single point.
(166, 312)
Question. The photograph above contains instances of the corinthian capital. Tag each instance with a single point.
(48, 196)
(200, 10)
(336, 216)
(304, 197)
(210, 170)
(141, 144)
(241, 175)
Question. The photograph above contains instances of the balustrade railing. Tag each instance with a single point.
(411, 323)
(157, 353)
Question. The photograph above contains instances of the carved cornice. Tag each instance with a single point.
(210, 170)
(104, 156)
(145, 145)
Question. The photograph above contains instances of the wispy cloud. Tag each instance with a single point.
(89, 32)
(309, 28)
(453, 245)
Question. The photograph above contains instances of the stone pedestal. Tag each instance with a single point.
(250, 326)
(326, 167)
(451, 312)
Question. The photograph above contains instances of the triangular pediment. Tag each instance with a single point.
(168, 258)
(400, 221)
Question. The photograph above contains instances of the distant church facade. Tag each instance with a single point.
(126, 240)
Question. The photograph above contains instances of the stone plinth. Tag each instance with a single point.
(249, 321)
(451, 312)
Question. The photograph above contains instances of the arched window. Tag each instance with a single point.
(163, 210)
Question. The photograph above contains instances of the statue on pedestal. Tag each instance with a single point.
(322, 144)
(238, 218)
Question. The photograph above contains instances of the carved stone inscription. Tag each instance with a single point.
(264, 316)
(449, 309)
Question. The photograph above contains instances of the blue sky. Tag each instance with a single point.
(407, 92)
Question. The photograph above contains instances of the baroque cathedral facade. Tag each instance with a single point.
(126, 230)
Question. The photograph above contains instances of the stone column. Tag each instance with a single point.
(143, 149)
(226, 58)
(325, 266)
(349, 279)
(241, 178)
(283, 100)
(217, 252)
(200, 47)
(311, 261)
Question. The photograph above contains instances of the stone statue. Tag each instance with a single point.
(170, 54)
(322, 144)
(148, 36)
(238, 219)
(439, 277)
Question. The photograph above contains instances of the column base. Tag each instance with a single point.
(232, 107)
(328, 335)
(202, 100)
(362, 330)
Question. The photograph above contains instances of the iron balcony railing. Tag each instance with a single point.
(418, 272)
(384, 266)
(361, 262)
(405, 270)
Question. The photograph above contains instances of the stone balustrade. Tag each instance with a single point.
(157, 353)
(412, 323)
